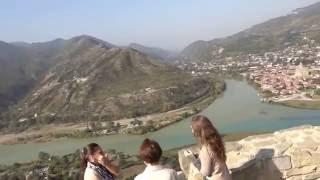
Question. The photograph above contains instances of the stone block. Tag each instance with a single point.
(308, 144)
(298, 128)
(312, 176)
(233, 146)
(300, 171)
(295, 178)
(264, 143)
(282, 163)
(185, 160)
(258, 137)
(281, 148)
(194, 173)
(301, 158)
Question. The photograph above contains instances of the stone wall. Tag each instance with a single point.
(292, 154)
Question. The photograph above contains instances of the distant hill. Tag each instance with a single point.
(23, 64)
(157, 53)
(273, 34)
(86, 78)
(18, 73)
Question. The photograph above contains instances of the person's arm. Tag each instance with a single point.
(206, 162)
(114, 169)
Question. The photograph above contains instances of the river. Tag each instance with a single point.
(238, 110)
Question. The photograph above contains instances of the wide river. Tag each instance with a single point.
(238, 110)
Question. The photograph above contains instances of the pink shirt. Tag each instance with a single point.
(211, 166)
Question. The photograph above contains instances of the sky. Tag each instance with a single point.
(169, 24)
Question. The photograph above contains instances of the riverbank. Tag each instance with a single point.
(53, 132)
(238, 110)
(134, 126)
(299, 101)
(302, 104)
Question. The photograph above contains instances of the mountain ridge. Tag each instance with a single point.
(273, 34)
(86, 79)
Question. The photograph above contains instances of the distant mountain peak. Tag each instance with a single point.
(157, 53)
(91, 40)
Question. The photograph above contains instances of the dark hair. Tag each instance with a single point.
(90, 149)
(150, 151)
(207, 134)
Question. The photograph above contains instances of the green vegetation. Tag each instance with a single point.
(68, 167)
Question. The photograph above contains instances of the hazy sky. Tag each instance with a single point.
(170, 24)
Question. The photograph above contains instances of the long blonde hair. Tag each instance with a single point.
(208, 135)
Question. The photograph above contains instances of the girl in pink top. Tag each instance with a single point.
(212, 154)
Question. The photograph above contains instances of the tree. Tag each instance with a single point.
(118, 124)
(136, 122)
(109, 125)
(149, 123)
(43, 156)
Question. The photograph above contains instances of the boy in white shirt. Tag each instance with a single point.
(150, 152)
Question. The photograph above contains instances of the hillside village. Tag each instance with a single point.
(288, 74)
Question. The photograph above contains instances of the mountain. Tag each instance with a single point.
(157, 53)
(91, 79)
(23, 64)
(18, 72)
(273, 34)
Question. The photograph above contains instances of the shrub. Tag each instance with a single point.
(43, 156)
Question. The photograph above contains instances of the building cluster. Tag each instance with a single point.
(285, 80)
(292, 70)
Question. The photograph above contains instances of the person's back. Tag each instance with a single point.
(157, 172)
(212, 155)
(212, 167)
(150, 152)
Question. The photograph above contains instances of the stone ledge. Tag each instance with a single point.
(291, 154)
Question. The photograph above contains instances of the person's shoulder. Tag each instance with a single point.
(90, 174)
(170, 171)
(139, 177)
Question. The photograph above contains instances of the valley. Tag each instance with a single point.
(58, 95)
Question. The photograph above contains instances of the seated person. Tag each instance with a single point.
(150, 152)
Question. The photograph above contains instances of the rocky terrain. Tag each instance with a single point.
(273, 34)
(87, 79)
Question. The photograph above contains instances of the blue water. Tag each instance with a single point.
(238, 110)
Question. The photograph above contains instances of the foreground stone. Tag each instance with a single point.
(292, 154)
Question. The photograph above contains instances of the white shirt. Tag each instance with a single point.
(157, 172)
(90, 174)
